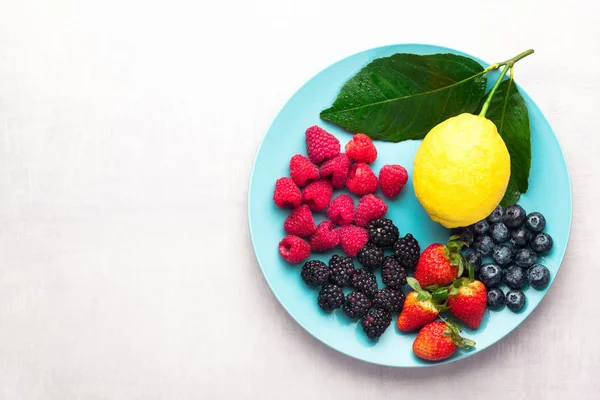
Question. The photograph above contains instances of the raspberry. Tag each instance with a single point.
(353, 239)
(326, 237)
(361, 179)
(317, 195)
(341, 210)
(337, 168)
(392, 179)
(321, 144)
(300, 222)
(286, 193)
(369, 207)
(294, 249)
(302, 170)
(341, 270)
(361, 149)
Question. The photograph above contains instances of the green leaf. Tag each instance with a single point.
(508, 112)
(403, 96)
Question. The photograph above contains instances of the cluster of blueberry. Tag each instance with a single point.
(514, 240)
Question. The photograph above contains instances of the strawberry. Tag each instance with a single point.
(302, 170)
(440, 264)
(361, 149)
(361, 179)
(439, 340)
(300, 222)
(419, 309)
(338, 168)
(321, 145)
(468, 301)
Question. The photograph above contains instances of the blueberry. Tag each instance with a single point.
(515, 277)
(502, 254)
(474, 258)
(538, 276)
(520, 237)
(495, 298)
(496, 215)
(499, 232)
(541, 243)
(484, 245)
(466, 234)
(525, 258)
(514, 216)
(490, 275)
(535, 222)
(515, 300)
(481, 227)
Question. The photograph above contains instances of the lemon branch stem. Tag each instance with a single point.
(491, 94)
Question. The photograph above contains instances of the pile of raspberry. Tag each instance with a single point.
(310, 188)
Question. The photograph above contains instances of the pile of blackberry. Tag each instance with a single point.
(515, 242)
(364, 299)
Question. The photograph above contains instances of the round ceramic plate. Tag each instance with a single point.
(549, 192)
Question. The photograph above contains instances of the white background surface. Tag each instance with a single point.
(127, 134)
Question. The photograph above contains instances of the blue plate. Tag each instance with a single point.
(549, 192)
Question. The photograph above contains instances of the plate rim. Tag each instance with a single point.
(341, 350)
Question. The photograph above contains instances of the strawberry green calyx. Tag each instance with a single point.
(453, 331)
(452, 251)
(416, 286)
(434, 294)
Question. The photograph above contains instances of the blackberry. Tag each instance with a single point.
(538, 276)
(340, 270)
(376, 322)
(484, 245)
(389, 299)
(383, 232)
(371, 256)
(541, 243)
(515, 277)
(356, 305)
(502, 254)
(364, 281)
(392, 273)
(535, 222)
(496, 215)
(514, 216)
(495, 298)
(490, 275)
(499, 232)
(315, 273)
(330, 297)
(481, 227)
(407, 251)
(515, 300)
(474, 258)
(519, 237)
(525, 258)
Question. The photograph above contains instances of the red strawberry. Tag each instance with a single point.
(286, 193)
(440, 264)
(326, 237)
(418, 310)
(468, 302)
(369, 207)
(294, 249)
(321, 145)
(341, 210)
(439, 340)
(361, 149)
(392, 179)
(302, 170)
(300, 222)
(353, 239)
(361, 179)
(317, 195)
(336, 167)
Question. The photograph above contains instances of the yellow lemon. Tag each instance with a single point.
(461, 170)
